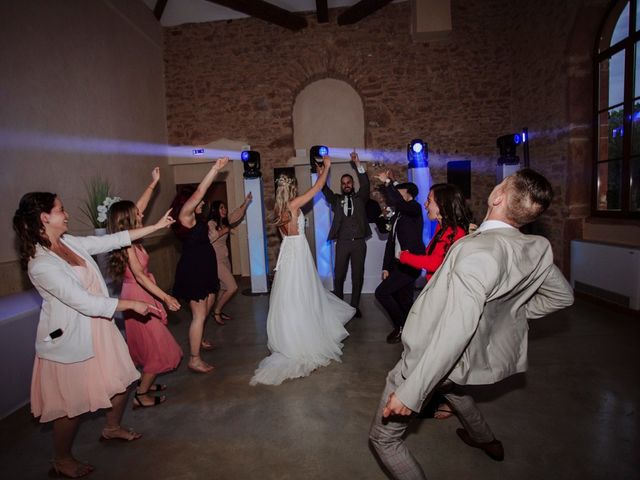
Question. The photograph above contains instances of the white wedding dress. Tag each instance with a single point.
(305, 324)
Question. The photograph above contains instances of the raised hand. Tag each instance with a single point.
(221, 163)
(354, 158)
(248, 198)
(326, 161)
(165, 221)
(155, 174)
(384, 177)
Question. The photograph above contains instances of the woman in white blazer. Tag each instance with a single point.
(82, 363)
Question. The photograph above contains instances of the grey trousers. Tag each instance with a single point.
(386, 435)
(356, 252)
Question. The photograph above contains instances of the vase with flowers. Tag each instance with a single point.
(97, 204)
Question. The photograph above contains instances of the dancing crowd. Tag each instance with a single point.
(467, 326)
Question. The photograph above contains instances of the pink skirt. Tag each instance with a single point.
(71, 389)
(151, 345)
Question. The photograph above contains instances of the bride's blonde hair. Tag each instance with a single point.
(286, 190)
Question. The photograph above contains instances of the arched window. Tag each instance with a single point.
(617, 160)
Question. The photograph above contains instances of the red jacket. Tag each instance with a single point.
(431, 262)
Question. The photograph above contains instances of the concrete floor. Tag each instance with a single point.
(572, 416)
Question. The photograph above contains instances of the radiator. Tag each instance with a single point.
(607, 271)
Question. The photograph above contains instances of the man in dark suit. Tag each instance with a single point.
(395, 293)
(350, 230)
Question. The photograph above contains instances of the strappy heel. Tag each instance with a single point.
(131, 435)
(156, 387)
(137, 402)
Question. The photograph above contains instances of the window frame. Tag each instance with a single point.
(626, 45)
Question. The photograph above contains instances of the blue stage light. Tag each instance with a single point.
(315, 156)
(417, 154)
(251, 164)
(517, 138)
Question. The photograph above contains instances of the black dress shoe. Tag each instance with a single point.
(358, 313)
(395, 336)
(493, 448)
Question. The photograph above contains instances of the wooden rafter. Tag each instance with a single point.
(360, 10)
(322, 11)
(265, 11)
(159, 8)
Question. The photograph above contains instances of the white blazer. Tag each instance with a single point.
(470, 322)
(66, 304)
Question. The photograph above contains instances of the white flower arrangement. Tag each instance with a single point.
(104, 208)
(98, 202)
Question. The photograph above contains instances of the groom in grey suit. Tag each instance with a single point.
(469, 324)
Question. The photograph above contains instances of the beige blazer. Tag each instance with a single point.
(66, 304)
(469, 323)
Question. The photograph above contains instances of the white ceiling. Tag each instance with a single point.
(178, 12)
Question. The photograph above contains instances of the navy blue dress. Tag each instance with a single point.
(197, 270)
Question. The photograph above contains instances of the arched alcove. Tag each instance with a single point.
(328, 112)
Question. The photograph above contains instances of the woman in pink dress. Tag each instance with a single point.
(151, 345)
(82, 363)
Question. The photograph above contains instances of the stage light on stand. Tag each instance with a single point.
(418, 173)
(507, 145)
(417, 154)
(255, 219)
(508, 161)
(251, 163)
(315, 156)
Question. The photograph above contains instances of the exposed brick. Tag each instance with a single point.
(495, 73)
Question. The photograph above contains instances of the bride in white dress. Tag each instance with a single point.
(305, 324)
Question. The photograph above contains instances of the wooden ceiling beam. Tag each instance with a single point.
(322, 11)
(159, 8)
(265, 11)
(360, 10)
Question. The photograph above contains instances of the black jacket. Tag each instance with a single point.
(408, 230)
(359, 200)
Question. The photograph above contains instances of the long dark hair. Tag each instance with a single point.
(453, 210)
(28, 225)
(214, 214)
(121, 216)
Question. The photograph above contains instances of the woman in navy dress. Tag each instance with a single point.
(196, 279)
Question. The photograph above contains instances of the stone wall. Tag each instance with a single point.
(552, 80)
(239, 80)
(507, 64)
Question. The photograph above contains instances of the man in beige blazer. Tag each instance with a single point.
(469, 324)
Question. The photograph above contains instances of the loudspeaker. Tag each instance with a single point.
(459, 174)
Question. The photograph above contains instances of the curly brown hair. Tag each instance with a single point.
(122, 215)
(28, 225)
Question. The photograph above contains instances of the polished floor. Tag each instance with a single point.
(574, 415)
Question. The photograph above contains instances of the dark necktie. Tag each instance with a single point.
(349, 206)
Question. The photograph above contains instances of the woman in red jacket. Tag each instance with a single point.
(445, 204)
